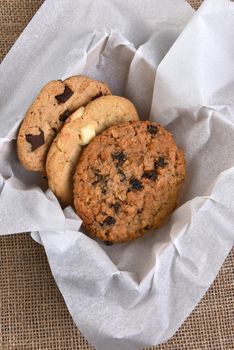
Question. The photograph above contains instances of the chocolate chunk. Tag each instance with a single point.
(151, 175)
(116, 207)
(119, 156)
(160, 162)
(147, 227)
(36, 140)
(54, 130)
(64, 115)
(108, 243)
(152, 129)
(109, 220)
(96, 96)
(121, 175)
(135, 185)
(67, 93)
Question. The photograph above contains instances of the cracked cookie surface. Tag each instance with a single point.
(127, 180)
(47, 114)
(76, 133)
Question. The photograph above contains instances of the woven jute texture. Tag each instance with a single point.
(33, 315)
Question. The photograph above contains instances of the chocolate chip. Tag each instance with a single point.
(160, 162)
(135, 185)
(147, 227)
(151, 175)
(119, 156)
(36, 140)
(67, 93)
(121, 175)
(54, 130)
(139, 211)
(64, 115)
(109, 220)
(152, 129)
(96, 96)
(116, 207)
(108, 243)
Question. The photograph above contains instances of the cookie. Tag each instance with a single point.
(45, 117)
(76, 133)
(127, 180)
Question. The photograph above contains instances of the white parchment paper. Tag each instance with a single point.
(178, 69)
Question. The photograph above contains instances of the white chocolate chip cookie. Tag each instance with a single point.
(79, 129)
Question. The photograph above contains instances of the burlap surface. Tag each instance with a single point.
(32, 312)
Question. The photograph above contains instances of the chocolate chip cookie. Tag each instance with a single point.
(76, 133)
(45, 117)
(127, 180)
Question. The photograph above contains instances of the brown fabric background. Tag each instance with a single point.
(33, 315)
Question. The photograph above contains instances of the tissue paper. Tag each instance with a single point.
(178, 69)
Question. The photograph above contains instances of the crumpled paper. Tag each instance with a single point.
(178, 69)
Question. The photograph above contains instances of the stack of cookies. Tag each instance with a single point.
(122, 175)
